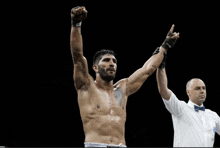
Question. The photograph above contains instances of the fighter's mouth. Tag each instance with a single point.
(111, 69)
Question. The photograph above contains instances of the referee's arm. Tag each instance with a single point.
(162, 84)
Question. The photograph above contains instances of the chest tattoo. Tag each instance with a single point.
(119, 95)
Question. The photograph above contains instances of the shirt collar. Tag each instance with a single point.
(191, 104)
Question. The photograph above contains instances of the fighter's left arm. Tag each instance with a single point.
(136, 80)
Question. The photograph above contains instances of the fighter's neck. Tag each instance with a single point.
(104, 84)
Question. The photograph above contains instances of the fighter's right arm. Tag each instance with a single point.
(81, 74)
(162, 84)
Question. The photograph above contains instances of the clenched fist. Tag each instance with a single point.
(78, 14)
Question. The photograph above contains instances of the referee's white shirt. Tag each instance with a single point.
(191, 128)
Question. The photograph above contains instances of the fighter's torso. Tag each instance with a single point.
(103, 113)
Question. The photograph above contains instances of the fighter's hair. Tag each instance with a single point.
(98, 55)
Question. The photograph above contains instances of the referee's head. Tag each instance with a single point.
(196, 90)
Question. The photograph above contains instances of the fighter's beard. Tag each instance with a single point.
(104, 75)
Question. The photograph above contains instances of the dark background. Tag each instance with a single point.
(40, 107)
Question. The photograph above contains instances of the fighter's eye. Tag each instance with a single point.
(106, 60)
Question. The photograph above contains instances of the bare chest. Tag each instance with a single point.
(112, 99)
(102, 102)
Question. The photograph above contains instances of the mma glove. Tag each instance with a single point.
(169, 42)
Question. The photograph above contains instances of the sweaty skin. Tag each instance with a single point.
(103, 104)
(103, 113)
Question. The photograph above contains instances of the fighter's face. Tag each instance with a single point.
(197, 91)
(107, 67)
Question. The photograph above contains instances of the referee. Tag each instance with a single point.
(194, 125)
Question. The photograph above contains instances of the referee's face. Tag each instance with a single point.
(197, 91)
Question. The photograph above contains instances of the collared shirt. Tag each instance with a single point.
(192, 128)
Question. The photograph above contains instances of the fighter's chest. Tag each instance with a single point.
(99, 101)
(111, 103)
(110, 98)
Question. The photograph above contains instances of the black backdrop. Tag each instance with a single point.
(40, 106)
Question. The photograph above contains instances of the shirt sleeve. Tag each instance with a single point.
(174, 105)
(218, 126)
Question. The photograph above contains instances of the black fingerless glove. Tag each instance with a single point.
(168, 42)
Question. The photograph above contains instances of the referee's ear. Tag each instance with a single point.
(187, 92)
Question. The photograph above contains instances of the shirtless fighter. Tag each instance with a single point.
(103, 104)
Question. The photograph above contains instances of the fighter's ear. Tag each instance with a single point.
(95, 68)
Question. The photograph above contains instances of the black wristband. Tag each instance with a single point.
(76, 23)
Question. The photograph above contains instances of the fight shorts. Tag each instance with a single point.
(90, 144)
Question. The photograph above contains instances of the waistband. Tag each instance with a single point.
(91, 144)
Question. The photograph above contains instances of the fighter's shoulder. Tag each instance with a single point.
(91, 88)
(121, 83)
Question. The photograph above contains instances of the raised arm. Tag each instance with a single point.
(81, 75)
(172, 103)
(162, 83)
(136, 80)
